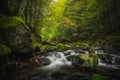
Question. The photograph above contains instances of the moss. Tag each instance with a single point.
(4, 50)
(62, 47)
(4, 53)
(87, 58)
(97, 77)
(9, 22)
(80, 44)
(95, 60)
(36, 44)
(43, 49)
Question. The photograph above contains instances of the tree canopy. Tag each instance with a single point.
(66, 20)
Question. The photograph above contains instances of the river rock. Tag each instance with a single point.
(75, 59)
(45, 61)
(15, 34)
(59, 75)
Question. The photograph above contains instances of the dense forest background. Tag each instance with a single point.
(59, 22)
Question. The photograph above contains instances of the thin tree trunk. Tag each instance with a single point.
(100, 27)
(112, 26)
(22, 8)
(26, 12)
(30, 12)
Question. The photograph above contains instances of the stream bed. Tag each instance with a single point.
(64, 66)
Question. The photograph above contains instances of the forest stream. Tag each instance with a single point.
(65, 65)
(59, 39)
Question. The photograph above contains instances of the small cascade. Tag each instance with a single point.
(67, 58)
(114, 65)
(57, 60)
(99, 50)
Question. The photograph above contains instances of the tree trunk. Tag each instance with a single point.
(26, 12)
(111, 19)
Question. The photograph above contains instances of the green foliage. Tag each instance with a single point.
(43, 48)
(87, 58)
(95, 60)
(9, 22)
(87, 16)
(36, 44)
(97, 77)
(62, 47)
(51, 20)
(4, 50)
(80, 44)
(100, 42)
(63, 20)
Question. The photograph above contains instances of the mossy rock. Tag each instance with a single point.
(43, 48)
(81, 45)
(95, 60)
(75, 60)
(99, 42)
(87, 58)
(36, 44)
(10, 22)
(16, 34)
(4, 52)
(63, 47)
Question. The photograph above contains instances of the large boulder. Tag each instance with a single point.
(15, 34)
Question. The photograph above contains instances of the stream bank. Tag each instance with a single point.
(60, 69)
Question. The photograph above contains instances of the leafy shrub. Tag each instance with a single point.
(97, 77)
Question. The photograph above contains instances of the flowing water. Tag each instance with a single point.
(57, 60)
(113, 65)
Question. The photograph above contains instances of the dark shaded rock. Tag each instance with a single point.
(45, 61)
(110, 50)
(59, 75)
(75, 59)
(68, 52)
(18, 39)
(16, 34)
(77, 76)
(2, 74)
